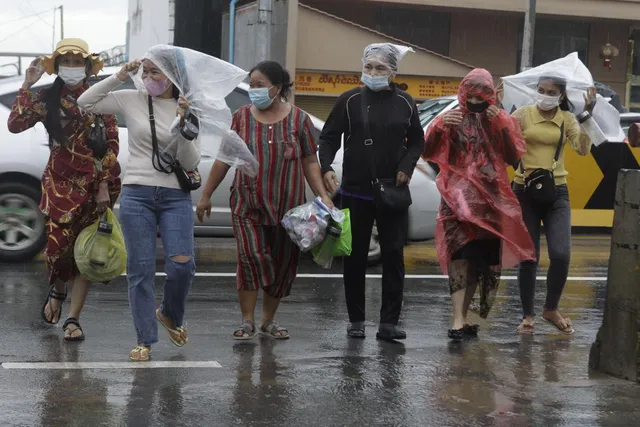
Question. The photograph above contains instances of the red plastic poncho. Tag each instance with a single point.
(477, 200)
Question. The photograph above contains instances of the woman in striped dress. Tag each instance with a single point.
(281, 136)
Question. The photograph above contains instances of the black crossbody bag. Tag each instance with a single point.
(540, 184)
(189, 181)
(386, 194)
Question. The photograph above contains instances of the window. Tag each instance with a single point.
(424, 28)
(428, 110)
(556, 39)
(627, 120)
(237, 99)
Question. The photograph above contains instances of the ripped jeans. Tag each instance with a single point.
(143, 211)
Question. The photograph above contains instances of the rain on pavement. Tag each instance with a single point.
(318, 377)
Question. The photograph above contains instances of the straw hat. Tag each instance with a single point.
(75, 46)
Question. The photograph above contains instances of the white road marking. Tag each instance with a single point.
(111, 365)
(408, 276)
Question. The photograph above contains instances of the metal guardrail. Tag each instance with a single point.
(115, 56)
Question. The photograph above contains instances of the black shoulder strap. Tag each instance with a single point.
(155, 156)
(560, 143)
(152, 123)
(558, 150)
(366, 129)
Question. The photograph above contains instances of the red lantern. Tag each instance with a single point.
(608, 52)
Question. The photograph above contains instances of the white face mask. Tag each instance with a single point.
(547, 103)
(72, 75)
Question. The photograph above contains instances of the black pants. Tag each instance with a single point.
(392, 231)
(556, 218)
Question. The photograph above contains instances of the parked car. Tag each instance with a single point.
(24, 156)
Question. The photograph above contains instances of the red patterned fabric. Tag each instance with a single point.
(71, 177)
(477, 200)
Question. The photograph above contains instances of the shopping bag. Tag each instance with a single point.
(343, 247)
(307, 224)
(99, 251)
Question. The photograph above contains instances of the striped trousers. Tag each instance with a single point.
(267, 257)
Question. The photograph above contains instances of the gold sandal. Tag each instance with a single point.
(140, 354)
(175, 335)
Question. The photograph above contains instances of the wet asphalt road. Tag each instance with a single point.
(318, 377)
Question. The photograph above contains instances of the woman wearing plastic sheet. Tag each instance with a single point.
(171, 115)
(480, 227)
(389, 148)
(81, 178)
(547, 127)
(281, 136)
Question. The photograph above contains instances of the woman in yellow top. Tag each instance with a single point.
(545, 126)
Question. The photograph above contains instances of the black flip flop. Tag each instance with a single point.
(388, 332)
(73, 321)
(356, 330)
(471, 330)
(53, 294)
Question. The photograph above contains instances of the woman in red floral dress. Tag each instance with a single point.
(78, 183)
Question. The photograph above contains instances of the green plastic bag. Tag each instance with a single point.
(100, 252)
(343, 248)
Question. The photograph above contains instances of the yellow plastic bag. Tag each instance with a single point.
(100, 252)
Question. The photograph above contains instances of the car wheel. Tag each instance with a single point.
(22, 230)
(375, 251)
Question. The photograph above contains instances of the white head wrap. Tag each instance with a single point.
(387, 53)
(205, 81)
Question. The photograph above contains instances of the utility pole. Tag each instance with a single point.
(292, 46)
(61, 22)
(264, 31)
(528, 36)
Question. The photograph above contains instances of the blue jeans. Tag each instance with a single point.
(144, 210)
(556, 218)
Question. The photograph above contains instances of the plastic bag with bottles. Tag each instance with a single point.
(307, 224)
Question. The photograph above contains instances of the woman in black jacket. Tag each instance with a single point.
(384, 146)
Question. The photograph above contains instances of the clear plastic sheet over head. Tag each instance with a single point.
(386, 53)
(477, 200)
(520, 90)
(205, 81)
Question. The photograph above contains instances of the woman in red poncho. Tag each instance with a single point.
(480, 227)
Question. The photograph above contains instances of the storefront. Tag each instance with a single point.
(329, 63)
(316, 92)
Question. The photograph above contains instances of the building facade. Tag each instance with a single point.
(488, 33)
(321, 41)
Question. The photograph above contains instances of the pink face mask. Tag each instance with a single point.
(156, 87)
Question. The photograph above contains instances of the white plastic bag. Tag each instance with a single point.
(307, 224)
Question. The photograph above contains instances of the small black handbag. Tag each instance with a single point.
(540, 184)
(386, 194)
(97, 137)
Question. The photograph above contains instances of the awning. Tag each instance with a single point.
(329, 43)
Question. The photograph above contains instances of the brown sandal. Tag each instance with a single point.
(567, 329)
(526, 328)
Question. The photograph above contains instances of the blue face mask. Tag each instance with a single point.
(260, 98)
(375, 83)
